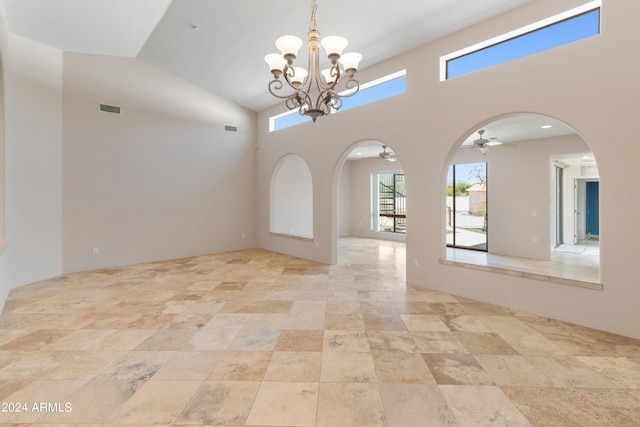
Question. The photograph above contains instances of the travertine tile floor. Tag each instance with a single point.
(262, 339)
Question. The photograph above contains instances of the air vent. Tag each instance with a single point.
(113, 109)
(230, 128)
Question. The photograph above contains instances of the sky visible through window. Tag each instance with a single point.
(375, 93)
(563, 32)
(468, 173)
(364, 96)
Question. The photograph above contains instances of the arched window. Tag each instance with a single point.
(292, 198)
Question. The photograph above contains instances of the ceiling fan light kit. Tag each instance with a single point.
(313, 91)
(387, 155)
(483, 144)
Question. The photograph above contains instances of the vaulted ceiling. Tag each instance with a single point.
(220, 45)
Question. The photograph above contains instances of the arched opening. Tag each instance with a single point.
(291, 198)
(370, 203)
(540, 198)
(372, 193)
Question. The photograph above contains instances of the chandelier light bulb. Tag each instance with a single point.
(334, 45)
(298, 77)
(328, 78)
(276, 63)
(289, 46)
(350, 61)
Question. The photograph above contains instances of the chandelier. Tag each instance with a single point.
(311, 91)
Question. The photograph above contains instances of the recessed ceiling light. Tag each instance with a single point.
(358, 153)
(545, 126)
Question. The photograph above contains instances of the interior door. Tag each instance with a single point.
(559, 207)
(593, 208)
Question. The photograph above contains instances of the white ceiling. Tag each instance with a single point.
(226, 54)
(114, 27)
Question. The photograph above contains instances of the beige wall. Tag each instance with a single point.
(162, 180)
(32, 167)
(344, 201)
(591, 85)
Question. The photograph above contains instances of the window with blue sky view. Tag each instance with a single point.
(581, 25)
(385, 87)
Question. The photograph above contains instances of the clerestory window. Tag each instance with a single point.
(570, 26)
(376, 90)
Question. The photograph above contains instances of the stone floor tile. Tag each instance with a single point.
(257, 338)
(347, 367)
(482, 406)
(220, 402)
(350, 405)
(285, 404)
(240, 366)
(294, 366)
(401, 368)
(415, 405)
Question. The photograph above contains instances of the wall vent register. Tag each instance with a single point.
(112, 109)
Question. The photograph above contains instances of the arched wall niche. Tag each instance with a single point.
(538, 173)
(291, 198)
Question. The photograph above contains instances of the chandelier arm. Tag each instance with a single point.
(292, 102)
(276, 85)
(324, 100)
(302, 99)
(350, 84)
(337, 103)
(335, 72)
(315, 63)
(312, 61)
(288, 73)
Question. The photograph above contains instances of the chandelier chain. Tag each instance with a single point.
(312, 24)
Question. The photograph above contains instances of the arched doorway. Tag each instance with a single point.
(370, 195)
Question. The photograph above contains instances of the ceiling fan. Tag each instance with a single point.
(387, 155)
(484, 144)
